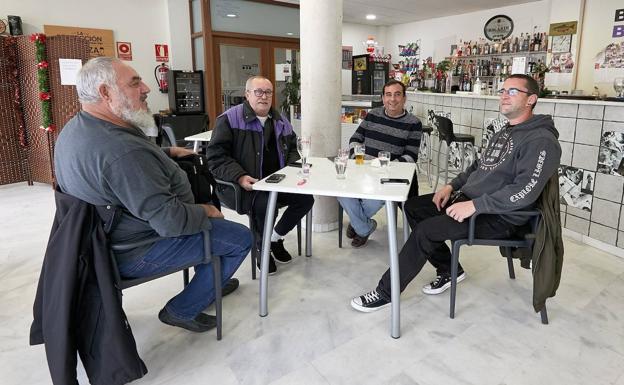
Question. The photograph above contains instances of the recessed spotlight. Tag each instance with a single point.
(289, 33)
(232, 15)
(371, 17)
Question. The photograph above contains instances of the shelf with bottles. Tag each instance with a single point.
(525, 44)
(508, 54)
(409, 56)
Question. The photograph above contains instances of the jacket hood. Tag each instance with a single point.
(544, 122)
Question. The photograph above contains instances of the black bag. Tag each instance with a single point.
(203, 184)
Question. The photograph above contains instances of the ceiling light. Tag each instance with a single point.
(371, 17)
(231, 15)
(289, 33)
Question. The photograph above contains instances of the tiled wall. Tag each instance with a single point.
(580, 127)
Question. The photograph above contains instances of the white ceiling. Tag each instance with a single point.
(390, 12)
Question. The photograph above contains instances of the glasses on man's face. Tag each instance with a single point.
(512, 91)
(259, 92)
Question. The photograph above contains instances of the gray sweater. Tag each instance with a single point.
(104, 164)
(514, 168)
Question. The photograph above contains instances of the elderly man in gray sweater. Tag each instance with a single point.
(103, 157)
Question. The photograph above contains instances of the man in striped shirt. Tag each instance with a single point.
(389, 128)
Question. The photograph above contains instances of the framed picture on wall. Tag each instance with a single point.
(561, 43)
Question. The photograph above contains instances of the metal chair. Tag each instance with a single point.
(446, 135)
(109, 213)
(523, 241)
(255, 253)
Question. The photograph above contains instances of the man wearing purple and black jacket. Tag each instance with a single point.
(515, 166)
(249, 142)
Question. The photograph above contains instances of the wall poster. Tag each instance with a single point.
(576, 187)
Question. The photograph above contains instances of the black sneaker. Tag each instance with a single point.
(441, 283)
(272, 267)
(230, 286)
(279, 252)
(350, 231)
(369, 302)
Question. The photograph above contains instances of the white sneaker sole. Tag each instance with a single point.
(428, 290)
(363, 309)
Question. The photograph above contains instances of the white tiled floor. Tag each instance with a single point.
(312, 336)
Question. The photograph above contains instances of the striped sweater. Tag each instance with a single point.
(399, 136)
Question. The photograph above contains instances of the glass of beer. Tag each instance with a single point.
(359, 151)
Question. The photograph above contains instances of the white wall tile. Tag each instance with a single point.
(602, 233)
(544, 108)
(566, 128)
(587, 111)
(605, 212)
(614, 113)
(565, 110)
(585, 157)
(491, 105)
(577, 225)
(588, 131)
(608, 187)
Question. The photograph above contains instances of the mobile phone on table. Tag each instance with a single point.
(394, 181)
(275, 178)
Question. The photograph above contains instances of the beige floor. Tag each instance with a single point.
(312, 336)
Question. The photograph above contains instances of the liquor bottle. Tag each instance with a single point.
(475, 50)
(459, 48)
(486, 48)
(515, 47)
(468, 49)
(477, 86)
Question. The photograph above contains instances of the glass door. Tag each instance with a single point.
(287, 80)
(237, 64)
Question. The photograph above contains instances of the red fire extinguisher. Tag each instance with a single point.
(160, 73)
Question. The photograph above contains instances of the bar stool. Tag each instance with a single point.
(424, 152)
(446, 134)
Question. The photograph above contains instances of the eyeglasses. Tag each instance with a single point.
(258, 92)
(512, 91)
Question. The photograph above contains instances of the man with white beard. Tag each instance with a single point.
(103, 157)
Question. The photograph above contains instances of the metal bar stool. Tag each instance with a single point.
(446, 134)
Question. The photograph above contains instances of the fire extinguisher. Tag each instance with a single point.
(160, 73)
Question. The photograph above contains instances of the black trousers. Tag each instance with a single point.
(297, 206)
(430, 229)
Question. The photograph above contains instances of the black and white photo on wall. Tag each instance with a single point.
(576, 187)
(611, 153)
(490, 127)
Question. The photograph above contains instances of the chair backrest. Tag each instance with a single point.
(174, 128)
(445, 129)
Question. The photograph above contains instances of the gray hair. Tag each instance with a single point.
(251, 79)
(94, 73)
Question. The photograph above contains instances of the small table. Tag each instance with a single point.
(201, 137)
(362, 181)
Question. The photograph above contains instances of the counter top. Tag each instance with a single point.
(543, 100)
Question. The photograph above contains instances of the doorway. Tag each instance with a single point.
(238, 56)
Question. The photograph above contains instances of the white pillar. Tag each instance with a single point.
(321, 88)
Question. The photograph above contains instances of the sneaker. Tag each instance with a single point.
(441, 283)
(272, 266)
(359, 241)
(350, 232)
(279, 252)
(230, 286)
(369, 302)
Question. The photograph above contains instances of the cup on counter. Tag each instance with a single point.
(359, 151)
(384, 159)
(340, 163)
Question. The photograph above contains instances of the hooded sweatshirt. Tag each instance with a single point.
(513, 169)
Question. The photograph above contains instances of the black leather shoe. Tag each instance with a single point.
(272, 266)
(350, 232)
(202, 323)
(229, 287)
(280, 254)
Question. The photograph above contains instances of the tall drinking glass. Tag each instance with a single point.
(359, 151)
(303, 147)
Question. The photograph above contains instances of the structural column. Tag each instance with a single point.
(321, 88)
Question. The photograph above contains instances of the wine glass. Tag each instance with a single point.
(303, 147)
(618, 86)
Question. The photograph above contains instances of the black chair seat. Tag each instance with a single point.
(464, 138)
(427, 129)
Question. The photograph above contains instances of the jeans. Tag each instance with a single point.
(229, 240)
(360, 212)
(430, 229)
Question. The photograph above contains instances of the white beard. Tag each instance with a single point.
(143, 120)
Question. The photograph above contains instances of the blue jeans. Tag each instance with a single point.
(229, 240)
(360, 212)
